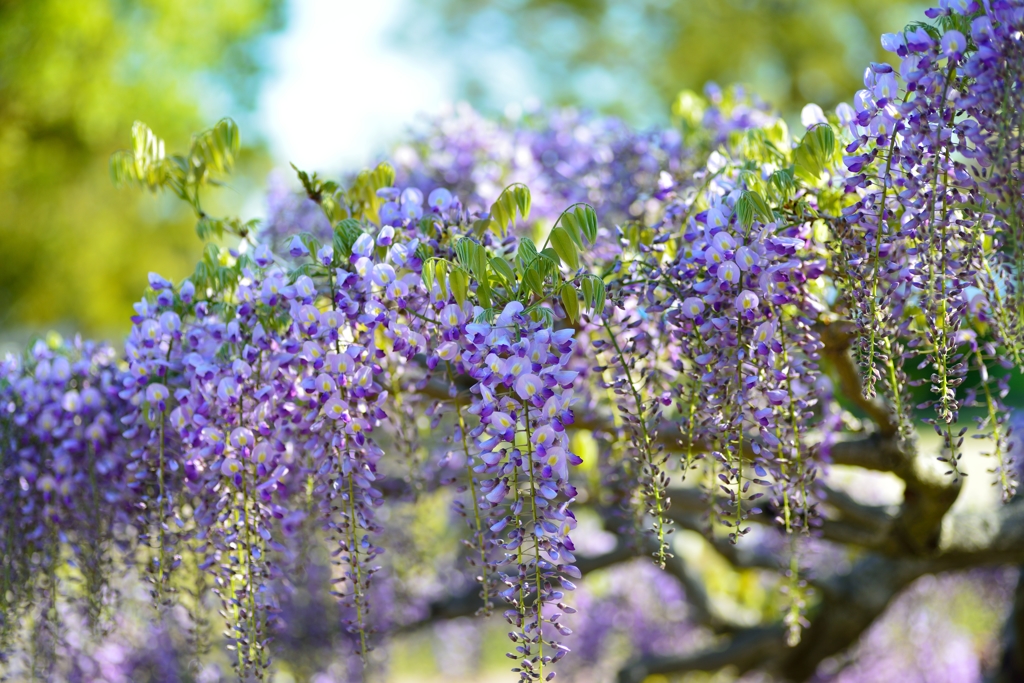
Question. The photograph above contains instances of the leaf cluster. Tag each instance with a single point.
(534, 276)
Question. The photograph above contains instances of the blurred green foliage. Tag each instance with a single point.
(632, 56)
(74, 76)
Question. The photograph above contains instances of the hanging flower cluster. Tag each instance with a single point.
(519, 466)
(247, 412)
(63, 466)
(743, 320)
(930, 245)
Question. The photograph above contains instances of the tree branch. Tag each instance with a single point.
(837, 339)
(744, 651)
(849, 521)
(851, 602)
(468, 602)
(971, 539)
(927, 497)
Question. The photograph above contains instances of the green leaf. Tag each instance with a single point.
(479, 263)
(218, 147)
(201, 276)
(429, 223)
(210, 150)
(208, 227)
(307, 182)
(383, 175)
(514, 198)
(744, 211)
(483, 293)
(526, 253)
(459, 281)
(503, 269)
(822, 141)
(783, 182)
(805, 166)
(480, 226)
(332, 209)
(523, 201)
(346, 232)
(498, 216)
(534, 280)
(570, 302)
(427, 273)
(463, 250)
(311, 243)
(542, 315)
(441, 274)
(145, 164)
(551, 258)
(580, 220)
(508, 206)
(547, 265)
(814, 152)
(587, 218)
(563, 245)
(122, 168)
(501, 213)
(473, 256)
(588, 292)
(310, 269)
(572, 226)
(599, 295)
(761, 208)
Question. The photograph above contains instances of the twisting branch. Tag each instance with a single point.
(848, 521)
(970, 539)
(928, 494)
(743, 652)
(837, 339)
(468, 602)
(851, 602)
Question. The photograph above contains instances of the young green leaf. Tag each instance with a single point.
(563, 245)
(587, 285)
(534, 280)
(483, 293)
(503, 269)
(459, 281)
(523, 200)
(587, 219)
(570, 302)
(441, 274)
(526, 253)
(427, 274)
(464, 250)
(599, 295)
(814, 152)
(572, 226)
(761, 207)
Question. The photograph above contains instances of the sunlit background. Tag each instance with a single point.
(330, 85)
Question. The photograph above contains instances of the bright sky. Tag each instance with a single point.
(333, 103)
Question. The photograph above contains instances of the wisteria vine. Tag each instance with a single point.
(667, 292)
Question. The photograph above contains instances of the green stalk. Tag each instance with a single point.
(645, 446)
(478, 525)
(354, 561)
(536, 541)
